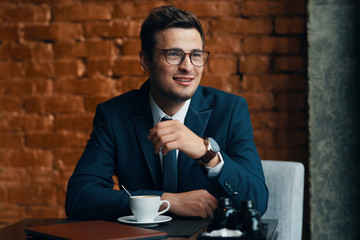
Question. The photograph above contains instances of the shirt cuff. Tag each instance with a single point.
(214, 172)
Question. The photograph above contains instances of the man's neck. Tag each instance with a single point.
(168, 107)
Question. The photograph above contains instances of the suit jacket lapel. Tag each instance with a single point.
(142, 123)
(196, 120)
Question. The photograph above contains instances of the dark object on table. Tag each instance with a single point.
(250, 219)
(246, 219)
(224, 216)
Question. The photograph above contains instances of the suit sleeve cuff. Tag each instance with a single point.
(214, 172)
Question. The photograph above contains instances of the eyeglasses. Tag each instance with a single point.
(176, 56)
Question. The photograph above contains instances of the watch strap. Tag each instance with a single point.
(209, 155)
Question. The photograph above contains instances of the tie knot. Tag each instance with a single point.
(166, 118)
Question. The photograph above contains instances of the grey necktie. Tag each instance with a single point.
(169, 168)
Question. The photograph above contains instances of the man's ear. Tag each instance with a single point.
(144, 61)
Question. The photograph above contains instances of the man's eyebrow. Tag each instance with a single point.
(179, 49)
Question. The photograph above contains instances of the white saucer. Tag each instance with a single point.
(131, 220)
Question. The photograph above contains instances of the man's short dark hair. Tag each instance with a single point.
(165, 17)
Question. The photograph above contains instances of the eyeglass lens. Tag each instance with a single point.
(176, 57)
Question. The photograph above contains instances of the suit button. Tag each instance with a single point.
(228, 185)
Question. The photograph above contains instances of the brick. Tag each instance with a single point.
(39, 69)
(268, 44)
(290, 25)
(64, 103)
(10, 104)
(270, 119)
(41, 51)
(11, 140)
(64, 176)
(8, 33)
(84, 49)
(43, 87)
(16, 87)
(53, 32)
(254, 63)
(81, 122)
(291, 45)
(42, 211)
(10, 69)
(242, 26)
(10, 213)
(33, 50)
(92, 101)
(34, 104)
(113, 29)
(56, 139)
(261, 151)
(227, 63)
(299, 119)
(13, 177)
(116, 183)
(26, 122)
(38, 159)
(34, 195)
(131, 46)
(223, 44)
(271, 82)
(211, 8)
(212, 80)
(291, 138)
(26, 13)
(5, 51)
(278, 120)
(229, 84)
(19, 51)
(61, 196)
(291, 101)
(126, 84)
(67, 159)
(128, 66)
(83, 86)
(286, 154)
(273, 8)
(81, 12)
(99, 66)
(134, 28)
(69, 68)
(259, 100)
(44, 177)
(264, 137)
(289, 64)
(135, 10)
(54, 104)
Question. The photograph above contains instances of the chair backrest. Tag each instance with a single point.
(285, 181)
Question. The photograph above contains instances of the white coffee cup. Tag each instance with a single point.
(146, 208)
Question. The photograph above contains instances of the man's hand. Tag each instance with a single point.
(172, 134)
(197, 203)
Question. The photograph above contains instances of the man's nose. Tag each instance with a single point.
(186, 64)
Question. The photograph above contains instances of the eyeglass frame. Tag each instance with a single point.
(184, 55)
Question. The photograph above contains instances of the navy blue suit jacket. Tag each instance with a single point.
(119, 146)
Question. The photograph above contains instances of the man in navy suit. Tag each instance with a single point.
(209, 134)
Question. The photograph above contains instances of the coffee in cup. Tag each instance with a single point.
(146, 208)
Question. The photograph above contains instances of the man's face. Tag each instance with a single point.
(174, 84)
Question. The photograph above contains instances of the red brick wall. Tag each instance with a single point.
(58, 59)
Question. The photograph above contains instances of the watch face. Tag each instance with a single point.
(214, 146)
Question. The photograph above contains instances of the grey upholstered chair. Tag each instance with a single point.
(285, 181)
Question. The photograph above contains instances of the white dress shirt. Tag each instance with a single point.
(158, 114)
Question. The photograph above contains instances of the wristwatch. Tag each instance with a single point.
(212, 150)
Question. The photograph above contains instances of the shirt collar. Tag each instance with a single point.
(158, 114)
